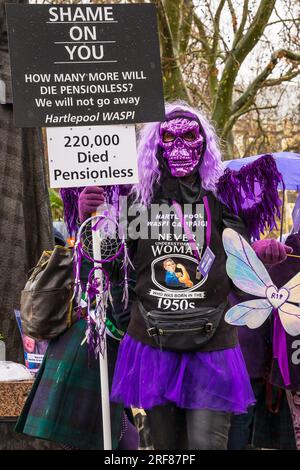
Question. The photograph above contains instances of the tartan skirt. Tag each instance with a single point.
(64, 404)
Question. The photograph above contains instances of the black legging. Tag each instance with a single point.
(174, 428)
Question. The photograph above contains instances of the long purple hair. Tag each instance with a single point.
(210, 170)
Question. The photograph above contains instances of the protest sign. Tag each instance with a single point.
(34, 350)
(89, 156)
(77, 65)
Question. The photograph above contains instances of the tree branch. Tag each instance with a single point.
(212, 58)
(173, 15)
(174, 84)
(293, 20)
(261, 80)
(165, 30)
(216, 35)
(291, 55)
(245, 110)
(240, 29)
(251, 38)
(202, 34)
(277, 81)
(195, 91)
(233, 16)
(186, 25)
(223, 103)
(209, 54)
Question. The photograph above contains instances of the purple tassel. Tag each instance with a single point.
(252, 193)
(96, 327)
(125, 266)
(77, 260)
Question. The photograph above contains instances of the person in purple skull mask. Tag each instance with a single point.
(179, 360)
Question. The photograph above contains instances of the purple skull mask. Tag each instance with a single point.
(182, 145)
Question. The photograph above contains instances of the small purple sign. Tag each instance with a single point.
(296, 215)
(34, 350)
(206, 262)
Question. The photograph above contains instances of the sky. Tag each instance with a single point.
(260, 55)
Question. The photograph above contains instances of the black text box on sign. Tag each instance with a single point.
(85, 64)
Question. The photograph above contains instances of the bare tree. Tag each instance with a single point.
(202, 59)
(207, 46)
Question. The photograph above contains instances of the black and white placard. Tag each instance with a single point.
(83, 65)
(91, 156)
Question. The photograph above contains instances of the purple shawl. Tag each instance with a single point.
(252, 193)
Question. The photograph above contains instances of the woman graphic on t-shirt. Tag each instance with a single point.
(173, 278)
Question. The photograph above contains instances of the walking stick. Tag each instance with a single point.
(103, 363)
(96, 241)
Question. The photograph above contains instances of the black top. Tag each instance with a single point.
(166, 268)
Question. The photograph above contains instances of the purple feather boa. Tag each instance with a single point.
(252, 193)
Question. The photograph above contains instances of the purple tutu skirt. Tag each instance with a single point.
(146, 377)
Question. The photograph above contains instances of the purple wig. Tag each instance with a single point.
(210, 170)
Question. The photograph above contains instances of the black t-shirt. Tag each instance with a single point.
(167, 272)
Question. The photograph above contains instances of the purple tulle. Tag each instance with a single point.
(146, 377)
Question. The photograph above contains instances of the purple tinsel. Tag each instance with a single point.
(70, 197)
(252, 193)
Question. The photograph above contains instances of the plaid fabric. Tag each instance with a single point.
(294, 404)
(272, 430)
(65, 403)
(10, 440)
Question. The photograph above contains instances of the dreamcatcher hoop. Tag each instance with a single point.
(101, 241)
(99, 222)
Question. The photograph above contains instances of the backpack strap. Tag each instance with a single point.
(208, 215)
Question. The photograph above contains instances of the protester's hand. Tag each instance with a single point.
(271, 251)
(89, 200)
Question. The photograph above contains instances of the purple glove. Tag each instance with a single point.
(271, 251)
(90, 198)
